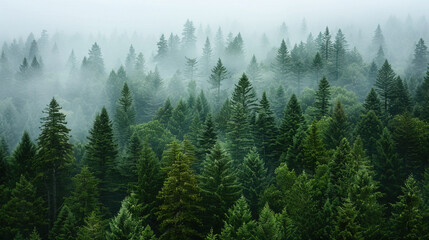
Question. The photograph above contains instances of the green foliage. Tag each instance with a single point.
(338, 127)
(269, 227)
(219, 187)
(239, 224)
(346, 226)
(207, 138)
(323, 95)
(384, 84)
(125, 116)
(314, 152)
(24, 157)
(123, 225)
(65, 225)
(219, 74)
(178, 123)
(164, 113)
(282, 64)
(93, 229)
(239, 134)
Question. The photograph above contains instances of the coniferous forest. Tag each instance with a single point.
(217, 132)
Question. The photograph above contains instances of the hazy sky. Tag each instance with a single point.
(19, 17)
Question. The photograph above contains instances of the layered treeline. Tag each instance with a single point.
(278, 157)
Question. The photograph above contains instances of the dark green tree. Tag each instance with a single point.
(338, 127)
(178, 122)
(239, 224)
(339, 53)
(219, 73)
(124, 225)
(346, 224)
(384, 83)
(282, 64)
(207, 138)
(401, 100)
(93, 229)
(314, 152)
(219, 187)
(65, 225)
(317, 65)
(278, 102)
(326, 47)
(125, 116)
(269, 227)
(127, 166)
(24, 158)
(239, 133)
(323, 95)
(164, 113)
(244, 94)
(372, 73)
(369, 129)
(420, 60)
(372, 103)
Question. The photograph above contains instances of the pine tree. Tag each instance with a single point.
(93, 229)
(314, 152)
(422, 99)
(326, 46)
(65, 225)
(23, 211)
(282, 64)
(123, 225)
(239, 134)
(279, 102)
(162, 49)
(317, 65)
(338, 127)
(188, 38)
(54, 154)
(421, 59)
(4, 162)
(406, 220)
(202, 106)
(378, 39)
(294, 156)
(24, 157)
(223, 117)
(164, 113)
(372, 103)
(178, 122)
(207, 138)
(253, 70)
(291, 122)
(346, 226)
(266, 133)
(219, 73)
(84, 197)
(244, 94)
(148, 184)
(380, 57)
(323, 95)
(253, 180)
(339, 52)
(369, 129)
(140, 65)
(384, 83)
(95, 60)
(220, 43)
(342, 171)
(268, 226)
(239, 224)
(372, 73)
(219, 187)
(401, 100)
(130, 61)
(101, 156)
(34, 235)
(127, 167)
(125, 116)
(180, 202)
(206, 58)
(389, 167)
(190, 68)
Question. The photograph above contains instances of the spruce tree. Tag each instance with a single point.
(326, 46)
(65, 225)
(279, 102)
(219, 74)
(180, 202)
(294, 156)
(125, 116)
(380, 57)
(23, 211)
(346, 226)
(219, 187)
(317, 65)
(93, 229)
(253, 70)
(369, 129)
(164, 113)
(54, 154)
(239, 136)
(372, 73)
(190, 68)
(101, 156)
(384, 83)
(372, 102)
(24, 157)
(123, 225)
(314, 152)
(130, 61)
(406, 220)
(178, 122)
(127, 166)
(206, 58)
(323, 95)
(420, 59)
(266, 133)
(207, 138)
(162, 49)
(338, 127)
(291, 122)
(188, 38)
(282, 64)
(401, 100)
(95, 61)
(339, 52)
(252, 175)
(239, 224)
(84, 197)
(268, 226)
(244, 94)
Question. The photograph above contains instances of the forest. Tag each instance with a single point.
(218, 133)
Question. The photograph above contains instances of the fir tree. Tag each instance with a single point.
(372, 73)
(339, 52)
(268, 226)
(326, 46)
(125, 116)
(406, 221)
(65, 225)
(294, 156)
(219, 187)
(369, 129)
(24, 157)
(130, 61)
(317, 65)
(420, 60)
(323, 95)
(400, 101)
(162, 49)
(95, 60)
(54, 154)
(164, 113)
(178, 122)
(378, 39)
(190, 68)
(266, 133)
(239, 135)
(101, 156)
(239, 224)
(23, 211)
(123, 225)
(253, 180)
(338, 127)
(127, 167)
(282, 63)
(346, 226)
(180, 202)
(244, 94)
(253, 70)
(93, 229)
(279, 102)
(188, 38)
(207, 138)
(383, 84)
(372, 103)
(206, 58)
(314, 152)
(380, 58)
(219, 73)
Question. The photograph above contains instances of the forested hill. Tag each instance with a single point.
(216, 136)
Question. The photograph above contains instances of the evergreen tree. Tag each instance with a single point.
(253, 70)
(164, 113)
(54, 154)
(400, 101)
(279, 102)
(317, 65)
(93, 229)
(380, 57)
(372, 73)
(346, 226)
(162, 49)
(207, 138)
(188, 38)
(406, 221)
(24, 157)
(65, 225)
(338, 127)
(266, 133)
(4, 165)
(239, 224)
(130, 61)
(268, 226)
(140, 65)
(244, 94)
(206, 58)
(295, 153)
(341, 171)
(127, 167)
(378, 39)
(326, 46)
(101, 156)
(180, 202)
(383, 84)
(123, 225)
(23, 211)
(421, 59)
(178, 122)
(372, 103)
(84, 197)
(220, 43)
(323, 95)
(369, 129)
(291, 122)
(314, 152)
(282, 64)
(190, 68)
(148, 184)
(219, 187)
(95, 60)
(219, 73)
(253, 180)
(34, 235)
(239, 134)
(125, 116)
(339, 52)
